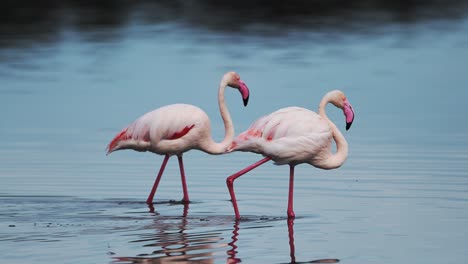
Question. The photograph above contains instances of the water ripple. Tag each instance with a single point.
(133, 235)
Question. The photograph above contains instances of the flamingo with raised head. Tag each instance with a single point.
(178, 128)
(294, 135)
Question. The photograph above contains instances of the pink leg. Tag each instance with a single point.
(291, 192)
(291, 239)
(230, 182)
(184, 182)
(186, 208)
(156, 182)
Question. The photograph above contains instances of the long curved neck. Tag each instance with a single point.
(218, 148)
(333, 160)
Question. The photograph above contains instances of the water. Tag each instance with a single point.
(73, 75)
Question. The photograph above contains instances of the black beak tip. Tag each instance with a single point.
(246, 100)
(348, 125)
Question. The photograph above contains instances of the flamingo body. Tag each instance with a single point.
(171, 130)
(291, 135)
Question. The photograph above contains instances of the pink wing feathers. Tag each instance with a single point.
(288, 133)
(266, 128)
(127, 138)
(166, 123)
(122, 136)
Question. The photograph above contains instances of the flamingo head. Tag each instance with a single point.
(339, 99)
(233, 80)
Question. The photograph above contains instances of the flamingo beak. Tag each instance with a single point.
(349, 114)
(348, 125)
(246, 100)
(245, 93)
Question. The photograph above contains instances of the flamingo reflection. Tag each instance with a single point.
(197, 239)
(290, 222)
(175, 239)
(184, 212)
(233, 251)
(292, 249)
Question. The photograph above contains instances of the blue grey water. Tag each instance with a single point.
(401, 197)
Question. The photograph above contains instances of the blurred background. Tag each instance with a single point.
(73, 73)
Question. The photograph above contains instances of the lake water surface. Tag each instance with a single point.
(72, 76)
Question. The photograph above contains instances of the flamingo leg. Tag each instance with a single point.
(230, 182)
(291, 192)
(184, 182)
(156, 182)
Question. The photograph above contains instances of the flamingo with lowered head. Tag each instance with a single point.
(177, 128)
(295, 135)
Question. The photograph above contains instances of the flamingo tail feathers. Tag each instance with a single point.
(114, 144)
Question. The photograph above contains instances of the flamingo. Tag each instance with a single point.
(294, 135)
(177, 128)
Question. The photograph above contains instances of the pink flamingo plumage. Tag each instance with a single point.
(295, 135)
(177, 128)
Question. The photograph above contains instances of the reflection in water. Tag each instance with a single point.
(171, 202)
(179, 239)
(291, 240)
(152, 238)
(233, 251)
(292, 249)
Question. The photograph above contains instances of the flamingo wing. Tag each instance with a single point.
(291, 133)
(168, 123)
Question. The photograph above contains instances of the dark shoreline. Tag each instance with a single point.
(30, 22)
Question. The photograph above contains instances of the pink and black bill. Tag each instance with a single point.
(244, 90)
(349, 114)
(348, 124)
